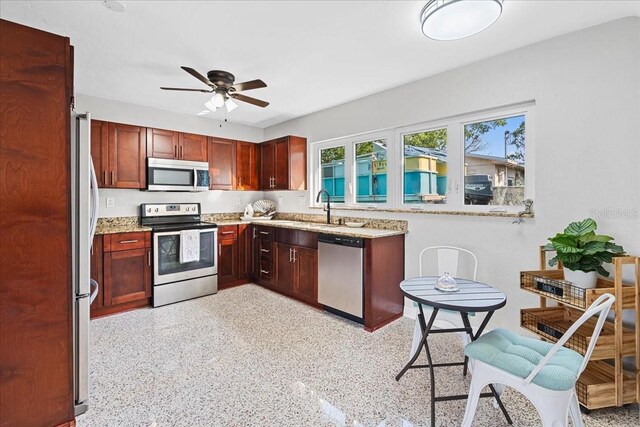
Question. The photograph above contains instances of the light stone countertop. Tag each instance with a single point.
(342, 230)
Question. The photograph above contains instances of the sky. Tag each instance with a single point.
(495, 138)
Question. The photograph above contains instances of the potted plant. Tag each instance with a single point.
(583, 252)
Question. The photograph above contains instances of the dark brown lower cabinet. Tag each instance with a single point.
(234, 255)
(227, 261)
(121, 264)
(297, 272)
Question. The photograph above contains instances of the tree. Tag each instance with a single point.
(473, 134)
(434, 139)
(329, 155)
(517, 140)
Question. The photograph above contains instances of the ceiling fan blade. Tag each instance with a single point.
(199, 76)
(187, 90)
(248, 99)
(253, 84)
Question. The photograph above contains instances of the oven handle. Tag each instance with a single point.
(173, 233)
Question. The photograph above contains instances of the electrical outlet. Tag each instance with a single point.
(280, 200)
(238, 201)
(111, 202)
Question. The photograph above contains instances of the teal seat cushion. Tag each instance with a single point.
(519, 356)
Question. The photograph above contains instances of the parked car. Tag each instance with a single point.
(477, 190)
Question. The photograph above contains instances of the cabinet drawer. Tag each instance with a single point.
(264, 233)
(125, 241)
(266, 272)
(307, 239)
(265, 247)
(228, 232)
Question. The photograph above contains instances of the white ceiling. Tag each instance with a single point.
(312, 54)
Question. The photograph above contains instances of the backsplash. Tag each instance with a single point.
(381, 224)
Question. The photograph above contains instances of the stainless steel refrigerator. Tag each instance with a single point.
(84, 217)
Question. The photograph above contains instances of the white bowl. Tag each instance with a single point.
(354, 224)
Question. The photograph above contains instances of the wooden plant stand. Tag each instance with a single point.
(604, 382)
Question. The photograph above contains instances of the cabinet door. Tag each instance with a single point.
(96, 272)
(193, 147)
(222, 163)
(255, 253)
(285, 268)
(281, 172)
(247, 163)
(305, 285)
(99, 151)
(267, 165)
(162, 144)
(127, 276)
(244, 251)
(127, 154)
(227, 260)
(297, 157)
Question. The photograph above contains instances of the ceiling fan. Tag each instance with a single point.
(221, 84)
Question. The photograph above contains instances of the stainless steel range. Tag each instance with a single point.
(173, 280)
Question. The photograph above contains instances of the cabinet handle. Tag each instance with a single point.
(295, 258)
(175, 151)
(290, 255)
(228, 232)
(149, 257)
(254, 233)
(113, 179)
(264, 272)
(181, 152)
(128, 241)
(219, 248)
(264, 232)
(104, 177)
(265, 250)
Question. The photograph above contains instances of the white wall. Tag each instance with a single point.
(127, 201)
(587, 136)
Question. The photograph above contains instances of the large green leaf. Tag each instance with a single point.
(580, 228)
(553, 261)
(593, 237)
(569, 257)
(565, 244)
(603, 257)
(594, 247)
(602, 271)
(614, 248)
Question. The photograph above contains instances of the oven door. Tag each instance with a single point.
(167, 267)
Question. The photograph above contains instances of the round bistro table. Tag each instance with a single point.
(473, 297)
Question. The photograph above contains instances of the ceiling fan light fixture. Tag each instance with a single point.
(218, 99)
(210, 106)
(457, 19)
(230, 105)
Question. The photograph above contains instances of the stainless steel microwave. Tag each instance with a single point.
(177, 175)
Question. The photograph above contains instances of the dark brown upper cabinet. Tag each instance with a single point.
(168, 144)
(247, 162)
(222, 163)
(100, 133)
(283, 164)
(126, 153)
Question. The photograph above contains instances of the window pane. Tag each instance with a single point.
(425, 167)
(371, 171)
(494, 153)
(332, 173)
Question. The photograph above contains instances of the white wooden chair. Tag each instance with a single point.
(506, 358)
(448, 259)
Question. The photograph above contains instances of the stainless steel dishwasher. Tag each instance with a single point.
(340, 274)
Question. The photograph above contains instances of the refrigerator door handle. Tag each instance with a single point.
(94, 291)
(82, 349)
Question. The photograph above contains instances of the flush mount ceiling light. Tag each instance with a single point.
(115, 6)
(457, 19)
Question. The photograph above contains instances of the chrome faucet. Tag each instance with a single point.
(328, 208)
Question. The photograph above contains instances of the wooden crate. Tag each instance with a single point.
(596, 387)
(552, 322)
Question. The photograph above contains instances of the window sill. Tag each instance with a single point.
(507, 214)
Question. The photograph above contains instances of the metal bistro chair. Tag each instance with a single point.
(448, 260)
(544, 373)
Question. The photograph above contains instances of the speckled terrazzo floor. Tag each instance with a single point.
(250, 357)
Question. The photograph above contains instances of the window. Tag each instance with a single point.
(471, 162)
(332, 173)
(494, 166)
(425, 166)
(371, 171)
